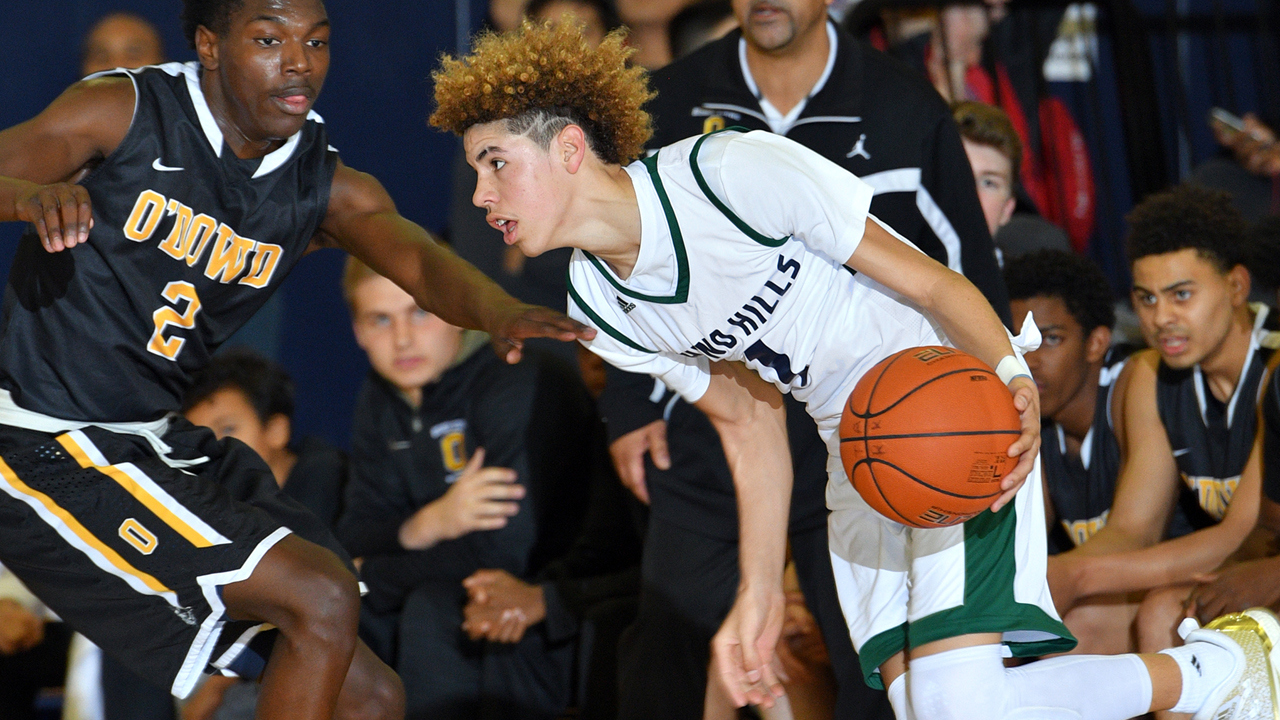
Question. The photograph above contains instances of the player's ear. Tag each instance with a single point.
(1097, 343)
(1240, 282)
(206, 42)
(277, 431)
(570, 147)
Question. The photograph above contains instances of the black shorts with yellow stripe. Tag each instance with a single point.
(132, 551)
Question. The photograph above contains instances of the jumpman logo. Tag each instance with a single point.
(859, 148)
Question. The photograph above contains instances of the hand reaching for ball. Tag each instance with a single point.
(1026, 400)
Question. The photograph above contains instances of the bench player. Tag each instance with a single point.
(716, 265)
(199, 187)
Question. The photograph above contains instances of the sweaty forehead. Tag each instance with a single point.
(308, 11)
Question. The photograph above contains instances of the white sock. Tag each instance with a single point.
(898, 698)
(972, 684)
(1204, 666)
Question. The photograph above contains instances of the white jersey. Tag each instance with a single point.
(743, 240)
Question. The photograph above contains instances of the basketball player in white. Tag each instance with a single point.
(716, 266)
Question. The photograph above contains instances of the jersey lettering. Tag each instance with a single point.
(780, 363)
(145, 216)
(751, 317)
(1081, 530)
(174, 292)
(1213, 494)
(229, 254)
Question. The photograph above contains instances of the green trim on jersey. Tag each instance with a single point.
(706, 190)
(677, 242)
(989, 605)
(602, 324)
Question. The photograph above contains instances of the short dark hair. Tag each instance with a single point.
(1187, 216)
(688, 30)
(1072, 278)
(266, 385)
(213, 14)
(606, 9)
(1262, 246)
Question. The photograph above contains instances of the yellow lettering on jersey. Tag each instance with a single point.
(453, 449)
(1081, 530)
(174, 246)
(142, 539)
(174, 292)
(265, 258)
(196, 239)
(226, 260)
(712, 124)
(145, 216)
(1213, 494)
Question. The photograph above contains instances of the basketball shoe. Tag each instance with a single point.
(1252, 691)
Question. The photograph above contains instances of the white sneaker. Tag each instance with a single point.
(1252, 690)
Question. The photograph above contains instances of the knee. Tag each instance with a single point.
(384, 699)
(949, 690)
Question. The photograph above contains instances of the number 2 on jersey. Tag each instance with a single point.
(175, 292)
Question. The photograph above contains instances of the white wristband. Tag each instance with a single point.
(1009, 368)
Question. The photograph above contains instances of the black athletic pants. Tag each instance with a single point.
(688, 587)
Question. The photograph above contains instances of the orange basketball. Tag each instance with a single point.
(925, 436)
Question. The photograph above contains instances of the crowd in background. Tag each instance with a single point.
(556, 538)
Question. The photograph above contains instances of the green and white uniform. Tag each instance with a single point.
(743, 240)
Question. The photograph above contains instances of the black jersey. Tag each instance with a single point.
(1271, 439)
(188, 242)
(1211, 440)
(1083, 486)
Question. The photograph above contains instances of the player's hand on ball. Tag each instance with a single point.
(520, 322)
(743, 649)
(1026, 400)
(61, 213)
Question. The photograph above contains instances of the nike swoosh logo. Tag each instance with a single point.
(165, 168)
(1180, 453)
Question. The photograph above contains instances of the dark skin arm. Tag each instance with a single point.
(363, 220)
(40, 157)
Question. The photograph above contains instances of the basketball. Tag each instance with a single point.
(925, 435)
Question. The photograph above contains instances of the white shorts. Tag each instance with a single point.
(902, 587)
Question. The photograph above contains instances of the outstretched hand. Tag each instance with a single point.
(1026, 400)
(61, 213)
(529, 321)
(743, 649)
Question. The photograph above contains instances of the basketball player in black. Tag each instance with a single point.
(166, 204)
(1189, 422)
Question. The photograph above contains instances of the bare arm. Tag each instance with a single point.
(967, 319)
(362, 219)
(40, 157)
(749, 415)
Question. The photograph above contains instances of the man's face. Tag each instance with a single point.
(121, 41)
(272, 63)
(228, 413)
(994, 174)
(407, 346)
(1185, 304)
(1064, 360)
(588, 16)
(517, 184)
(771, 25)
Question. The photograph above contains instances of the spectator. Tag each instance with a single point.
(33, 650)
(793, 72)
(1252, 173)
(597, 17)
(120, 40)
(1076, 369)
(1189, 415)
(994, 150)
(460, 462)
(648, 21)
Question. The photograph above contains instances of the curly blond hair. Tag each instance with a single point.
(540, 78)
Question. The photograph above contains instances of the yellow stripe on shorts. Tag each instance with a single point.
(88, 543)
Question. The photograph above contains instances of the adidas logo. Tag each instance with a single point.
(1195, 663)
(627, 307)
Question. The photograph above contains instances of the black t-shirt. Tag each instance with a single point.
(534, 417)
(318, 478)
(1271, 439)
(188, 242)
